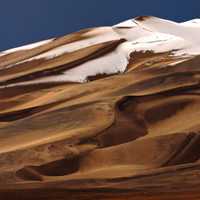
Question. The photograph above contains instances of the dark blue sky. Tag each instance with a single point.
(25, 21)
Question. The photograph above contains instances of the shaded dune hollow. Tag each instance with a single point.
(111, 108)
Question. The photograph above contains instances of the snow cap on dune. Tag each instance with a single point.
(26, 47)
(143, 33)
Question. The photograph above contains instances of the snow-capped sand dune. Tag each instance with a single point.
(141, 34)
(111, 108)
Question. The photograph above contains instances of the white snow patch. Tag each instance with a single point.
(193, 22)
(177, 29)
(159, 42)
(114, 62)
(126, 24)
(26, 47)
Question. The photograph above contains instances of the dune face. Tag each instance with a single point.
(111, 110)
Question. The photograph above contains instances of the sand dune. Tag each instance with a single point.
(112, 112)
